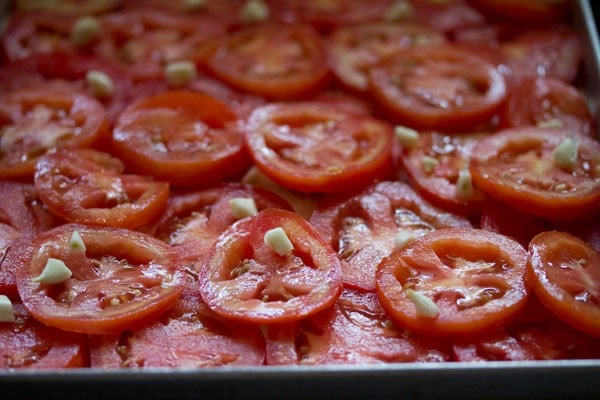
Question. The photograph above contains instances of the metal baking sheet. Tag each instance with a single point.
(485, 380)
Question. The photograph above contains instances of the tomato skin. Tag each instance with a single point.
(243, 279)
(483, 293)
(69, 118)
(362, 228)
(27, 344)
(516, 166)
(564, 273)
(89, 187)
(438, 87)
(185, 138)
(310, 147)
(140, 272)
(277, 61)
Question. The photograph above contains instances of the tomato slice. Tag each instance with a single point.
(516, 166)
(448, 16)
(37, 120)
(544, 101)
(434, 165)
(363, 228)
(244, 279)
(278, 61)
(123, 280)
(356, 330)
(564, 272)
(438, 87)
(356, 48)
(311, 147)
(89, 187)
(190, 335)
(526, 11)
(27, 344)
(193, 220)
(474, 278)
(182, 137)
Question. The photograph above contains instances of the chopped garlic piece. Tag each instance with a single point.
(565, 154)
(193, 5)
(550, 123)
(7, 312)
(429, 164)
(100, 84)
(403, 238)
(279, 241)
(424, 305)
(400, 10)
(76, 243)
(180, 72)
(242, 207)
(464, 185)
(255, 11)
(407, 137)
(54, 272)
(85, 30)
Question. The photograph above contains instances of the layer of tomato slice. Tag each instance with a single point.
(564, 272)
(278, 61)
(438, 87)
(38, 119)
(517, 166)
(182, 137)
(366, 227)
(356, 330)
(244, 279)
(122, 280)
(454, 282)
(90, 187)
(312, 147)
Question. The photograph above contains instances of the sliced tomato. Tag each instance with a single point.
(517, 166)
(190, 335)
(311, 147)
(564, 272)
(526, 11)
(434, 166)
(69, 7)
(89, 187)
(244, 279)
(448, 16)
(473, 278)
(356, 330)
(278, 61)
(548, 101)
(37, 120)
(182, 137)
(193, 220)
(27, 344)
(364, 228)
(353, 49)
(438, 87)
(123, 280)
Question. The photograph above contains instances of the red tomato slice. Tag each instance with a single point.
(182, 137)
(188, 336)
(474, 278)
(434, 165)
(363, 228)
(123, 280)
(27, 344)
(526, 11)
(548, 101)
(278, 61)
(244, 279)
(89, 187)
(355, 330)
(311, 147)
(438, 87)
(448, 16)
(354, 49)
(516, 166)
(193, 220)
(564, 272)
(35, 121)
